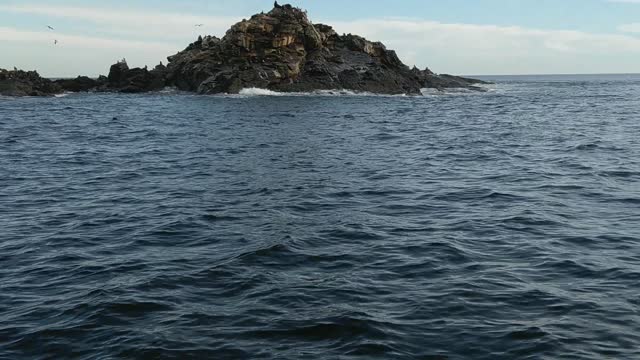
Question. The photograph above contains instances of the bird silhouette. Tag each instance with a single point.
(55, 42)
(50, 28)
(199, 25)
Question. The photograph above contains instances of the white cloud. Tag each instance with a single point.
(630, 28)
(444, 47)
(469, 48)
(77, 41)
(75, 54)
(99, 37)
(132, 22)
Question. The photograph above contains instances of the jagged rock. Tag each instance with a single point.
(123, 79)
(120, 79)
(26, 83)
(283, 51)
(80, 84)
(118, 73)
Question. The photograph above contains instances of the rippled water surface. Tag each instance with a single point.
(503, 225)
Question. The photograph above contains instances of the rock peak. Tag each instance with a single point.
(283, 50)
(286, 8)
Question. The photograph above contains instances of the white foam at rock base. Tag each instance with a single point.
(266, 92)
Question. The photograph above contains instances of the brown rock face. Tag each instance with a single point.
(283, 51)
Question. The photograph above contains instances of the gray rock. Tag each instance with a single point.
(26, 83)
(79, 84)
(137, 80)
(283, 51)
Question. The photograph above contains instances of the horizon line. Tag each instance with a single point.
(555, 74)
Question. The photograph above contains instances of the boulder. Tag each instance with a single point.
(79, 84)
(26, 83)
(137, 80)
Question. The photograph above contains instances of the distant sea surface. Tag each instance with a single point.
(496, 225)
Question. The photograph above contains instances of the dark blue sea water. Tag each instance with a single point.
(502, 225)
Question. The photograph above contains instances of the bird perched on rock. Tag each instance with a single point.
(276, 5)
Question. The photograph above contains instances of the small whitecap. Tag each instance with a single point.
(259, 92)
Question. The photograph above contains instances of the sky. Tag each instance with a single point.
(467, 37)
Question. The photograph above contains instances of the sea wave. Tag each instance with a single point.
(253, 92)
(261, 92)
(482, 89)
(425, 92)
(337, 92)
(327, 227)
(170, 90)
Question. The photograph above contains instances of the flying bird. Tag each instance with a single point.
(50, 27)
(199, 25)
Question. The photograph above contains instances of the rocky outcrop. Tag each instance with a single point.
(26, 83)
(283, 51)
(80, 84)
(280, 50)
(123, 79)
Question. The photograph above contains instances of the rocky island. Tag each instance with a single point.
(280, 50)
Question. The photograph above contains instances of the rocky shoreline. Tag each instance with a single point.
(26, 83)
(280, 50)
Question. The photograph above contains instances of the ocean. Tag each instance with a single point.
(458, 225)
